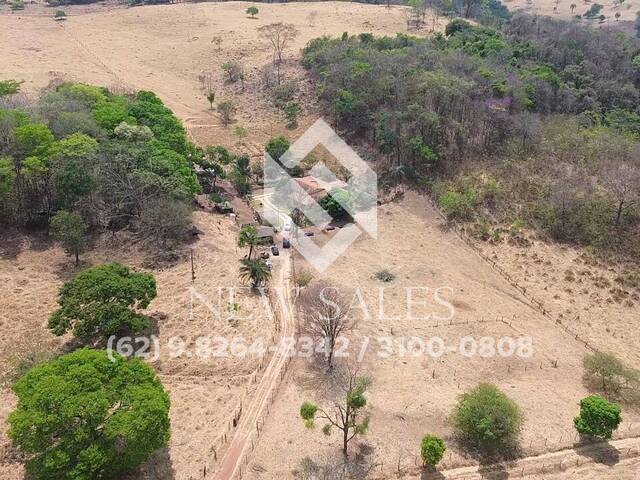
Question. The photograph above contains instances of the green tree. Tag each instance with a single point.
(103, 301)
(432, 450)
(277, 146)
(598, 417)
(33, 140)
(254, 270)
(84, 416)
(248, 236)
(349, 410)
(291, 111)
(252, 10)
(69, 229)
(334, 201)
(240, 132)
(487, 418)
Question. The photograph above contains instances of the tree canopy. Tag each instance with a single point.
(103, 301)
(84, 416)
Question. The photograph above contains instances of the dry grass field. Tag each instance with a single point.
(164, 49)
(563, 9)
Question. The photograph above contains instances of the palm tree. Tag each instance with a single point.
(255, 270)
(248, 236)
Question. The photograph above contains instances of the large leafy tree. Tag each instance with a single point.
(103, 301)
(84, 416)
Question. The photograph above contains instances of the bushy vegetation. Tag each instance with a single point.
(102, 301)
(84, 416)
(487, 418)
(535, 119)
(432, 450)
(598, 417)
(113, 159)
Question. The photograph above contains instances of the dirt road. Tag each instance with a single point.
(247, 429)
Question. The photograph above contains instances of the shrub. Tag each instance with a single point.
(598, 417)
(227, 110)
(487, 418)
(432, 450)
(303, 278)
(16, 5)
(277, 146)
(233, 71)
(385, 276)
(457, 205)
(86, 416)
(252, 10)
(60, 15)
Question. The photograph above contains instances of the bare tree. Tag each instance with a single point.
(622, 180)
(279, 35)
(326, 315)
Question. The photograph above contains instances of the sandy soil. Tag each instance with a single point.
(593, 299)
(164, 49)
(407, 401)
(205, 389)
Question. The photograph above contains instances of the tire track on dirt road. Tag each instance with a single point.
(232, 460)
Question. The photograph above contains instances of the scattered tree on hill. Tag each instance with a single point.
(609, 373)
(291, 111)
(227, 110)
(217, 40)
(86, 416)
(102, 301)
(69, 229)
(349, 414)
(326, 316)
(277, 146)
(487, 418)
(233, 70)
(279, 36)
(253, 11)
(598, 417)
(240, 132)
(255, 271)
(432, 450)
(248, 237)
(60, 15)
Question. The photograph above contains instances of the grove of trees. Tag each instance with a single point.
(114, 160)
(532, 119)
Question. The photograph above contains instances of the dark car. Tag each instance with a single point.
(286, 243)
(274, 251)
(309, 234)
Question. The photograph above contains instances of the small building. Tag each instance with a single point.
(265, 234)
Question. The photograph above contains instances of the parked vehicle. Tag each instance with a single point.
(286, 243)
(274, 251)
(309, 234)
(264, 255)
